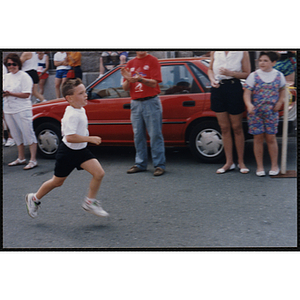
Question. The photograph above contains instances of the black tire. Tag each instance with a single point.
(48, 137)
(206, 143)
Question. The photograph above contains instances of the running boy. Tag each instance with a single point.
(73, 152)
(263, 96)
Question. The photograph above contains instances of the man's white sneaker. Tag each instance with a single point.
(94, 207)
(10, 142)
(31, 205)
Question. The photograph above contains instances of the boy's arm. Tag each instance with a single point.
(76, 138)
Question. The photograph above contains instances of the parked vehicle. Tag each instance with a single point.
(187, 117)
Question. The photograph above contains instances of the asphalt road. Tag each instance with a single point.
(188, 207)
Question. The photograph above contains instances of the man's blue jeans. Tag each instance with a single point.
(147, 115)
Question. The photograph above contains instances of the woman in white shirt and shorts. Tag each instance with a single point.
(225, 71)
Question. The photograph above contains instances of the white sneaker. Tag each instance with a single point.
(94, 207)
(3, 141)
(10, 142)
(31, 205)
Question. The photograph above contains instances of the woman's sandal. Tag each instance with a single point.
(32, 164)
(260, 173)
(17, 162)
(222, 170)
(274, 173)
(244, 170)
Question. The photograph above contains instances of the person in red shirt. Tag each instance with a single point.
(141, 77)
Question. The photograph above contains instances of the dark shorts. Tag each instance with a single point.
(34, 75)
(78, 72)
(68, 159)
(228, 98)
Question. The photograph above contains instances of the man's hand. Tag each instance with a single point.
(126, 73)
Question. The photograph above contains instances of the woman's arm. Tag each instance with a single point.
(18, 95)
(247, 100)
(210, 72)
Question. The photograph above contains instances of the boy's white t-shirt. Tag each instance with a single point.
(266, 77)
(74, 121)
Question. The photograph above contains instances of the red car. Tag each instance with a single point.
(187, 117)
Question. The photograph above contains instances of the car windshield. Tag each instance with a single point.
(110, 87)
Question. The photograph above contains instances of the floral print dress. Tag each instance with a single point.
(264, 97)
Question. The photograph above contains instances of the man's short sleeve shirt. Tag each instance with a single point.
(148, 67)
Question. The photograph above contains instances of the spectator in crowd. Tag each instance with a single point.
(141, 77)
(10, 141)
(264, 95)
(74, 61)
(42, 69)
(286, 64)
(17, 107)
(225, 71)
(109, 60)
(62, 68)
(29, 65)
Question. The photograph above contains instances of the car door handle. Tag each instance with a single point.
(127, 106)
(189, 103)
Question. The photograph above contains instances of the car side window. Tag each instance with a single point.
(203, 78)
(177, 79)
(110, 87)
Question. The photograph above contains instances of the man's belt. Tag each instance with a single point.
(144, 99)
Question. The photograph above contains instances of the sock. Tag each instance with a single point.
(35, 198)
(88, 200)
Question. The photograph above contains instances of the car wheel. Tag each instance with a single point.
(48, 136)
(206, 142)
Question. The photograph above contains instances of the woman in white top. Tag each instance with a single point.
(225, 71)
(17, 108)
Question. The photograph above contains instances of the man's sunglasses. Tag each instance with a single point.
(13, 64)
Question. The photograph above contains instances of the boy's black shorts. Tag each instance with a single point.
(68, 159)
(228, 97)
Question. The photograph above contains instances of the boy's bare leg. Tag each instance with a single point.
(90, 204)
(32, 200)
(49, 185)
(95, 169)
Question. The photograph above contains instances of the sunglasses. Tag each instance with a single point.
(13, 64)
